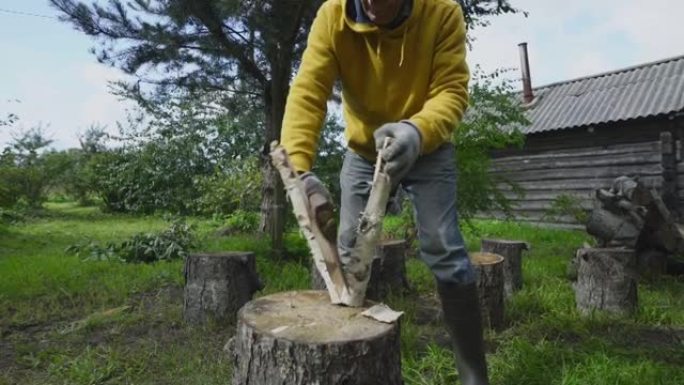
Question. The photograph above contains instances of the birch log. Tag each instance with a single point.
(325, 254)
(345, 285)
(511, 251)
(490, 287)
(388, 271)
(358, 269)
(300, 338)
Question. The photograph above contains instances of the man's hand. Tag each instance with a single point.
(321, 205)
(403, 151)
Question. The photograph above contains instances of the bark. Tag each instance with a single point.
(606, 281)
(512, 253)
(273, 193)
(299, 338)
(388, 272)
(490, 286)
(217, 285)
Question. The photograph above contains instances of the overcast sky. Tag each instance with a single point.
(46, 66)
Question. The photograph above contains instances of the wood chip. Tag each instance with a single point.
(382, 313)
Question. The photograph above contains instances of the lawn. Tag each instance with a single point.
(68, 321)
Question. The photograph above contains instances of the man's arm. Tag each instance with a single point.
(447, 97)
(307, 102)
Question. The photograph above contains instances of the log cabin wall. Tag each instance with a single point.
(576, 162)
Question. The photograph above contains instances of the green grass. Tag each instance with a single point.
(65, 321)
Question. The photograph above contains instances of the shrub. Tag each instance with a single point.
(237, 187)
(173, 243)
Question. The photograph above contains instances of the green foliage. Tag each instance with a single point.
(155, 176)
(492, 122)
(78, 178)
(10, 180)
(237, 187)
(565, 205)
(243, 221)
(172, 243)
(27, 171)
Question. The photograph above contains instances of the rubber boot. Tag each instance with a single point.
(464, 322)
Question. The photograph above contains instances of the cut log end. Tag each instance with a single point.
(308, 317)
(300, 338)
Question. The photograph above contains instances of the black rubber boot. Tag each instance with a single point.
(464, 322)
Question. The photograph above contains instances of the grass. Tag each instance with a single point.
(65, 321)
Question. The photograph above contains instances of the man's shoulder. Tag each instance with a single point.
(333, 7)
(442, 5)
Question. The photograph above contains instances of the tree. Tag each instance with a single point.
(24, 169)
(8, 120)
(492, 122)
(225, 47)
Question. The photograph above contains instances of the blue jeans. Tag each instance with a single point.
(431, 186)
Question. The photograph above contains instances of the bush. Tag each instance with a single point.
(173, 243)
(235, 188)
(241, 221)
(566, 206)
(10, 186)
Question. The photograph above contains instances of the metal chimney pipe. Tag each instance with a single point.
(528, 96)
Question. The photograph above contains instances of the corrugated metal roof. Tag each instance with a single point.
(636, 92)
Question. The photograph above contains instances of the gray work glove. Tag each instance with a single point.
(321, 204)
(403, 151)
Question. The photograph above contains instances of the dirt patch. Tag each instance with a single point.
(657, 338)
(149, 315)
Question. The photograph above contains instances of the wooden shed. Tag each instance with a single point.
(586, 132)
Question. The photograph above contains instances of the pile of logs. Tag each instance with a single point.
(636, 236)
(629, 215)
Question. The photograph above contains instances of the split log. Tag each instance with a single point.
(388, 271)
(346, 284)
(606, 280)
(511, 251)
(490, 286)
(324, 252)
(218, 285)
(358, 269)
(300, 338)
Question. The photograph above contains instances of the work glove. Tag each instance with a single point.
(321, 205)
(403, 150)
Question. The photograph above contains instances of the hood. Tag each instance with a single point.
(349, 10)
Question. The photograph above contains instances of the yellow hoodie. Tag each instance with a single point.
(415, 72)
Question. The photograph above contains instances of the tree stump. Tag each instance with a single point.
(606, 281)
(511, 251)
(300, 338)
(388, 271)
(490, 286)
(218, 285)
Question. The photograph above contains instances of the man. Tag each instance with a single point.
(404, 76)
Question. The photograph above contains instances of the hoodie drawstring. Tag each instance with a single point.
(403, 45)
(378, 48)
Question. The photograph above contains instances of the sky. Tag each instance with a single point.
(48, 76)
